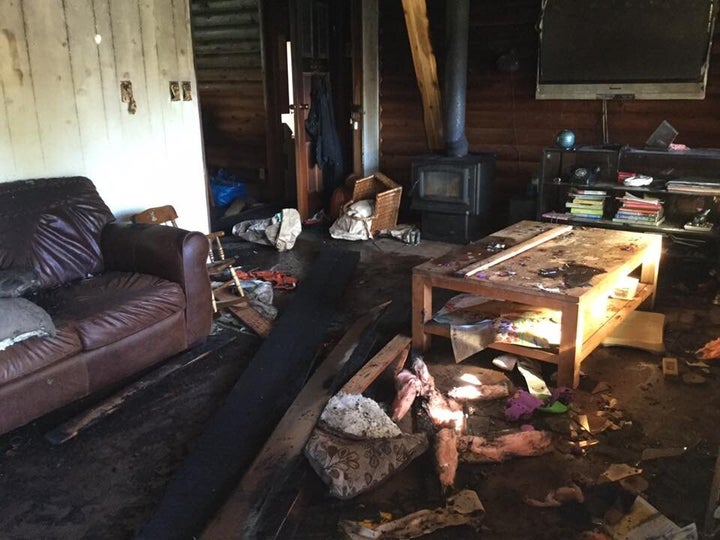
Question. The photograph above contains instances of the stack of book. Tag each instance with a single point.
(639, 210)
(586, 203)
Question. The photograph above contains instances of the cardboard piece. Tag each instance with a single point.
(670, 366)
(640, 330)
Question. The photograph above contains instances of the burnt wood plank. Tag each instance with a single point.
(108, 406)
(256, 403)
(242, 513)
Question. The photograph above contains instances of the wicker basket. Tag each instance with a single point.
(386, 194)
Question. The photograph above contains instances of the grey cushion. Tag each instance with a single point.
(21, 319)
(16, 282)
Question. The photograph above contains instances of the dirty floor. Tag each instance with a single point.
(106, 482)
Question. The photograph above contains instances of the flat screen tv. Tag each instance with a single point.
(631, 49)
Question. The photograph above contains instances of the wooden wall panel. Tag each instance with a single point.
(61, 63)
(228, 60)
(502, 113)
(21, 137)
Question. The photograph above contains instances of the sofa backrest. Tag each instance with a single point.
(52, 225)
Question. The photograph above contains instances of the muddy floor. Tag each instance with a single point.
(106, 482)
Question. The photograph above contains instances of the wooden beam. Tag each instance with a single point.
(249, 316)
(71, 428)
(395, 351)
(513, 251)
(416, 21)
(239, 513)
(257, 402)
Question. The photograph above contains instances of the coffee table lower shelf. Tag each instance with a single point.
(597, 329)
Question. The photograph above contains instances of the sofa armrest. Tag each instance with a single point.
(170, 253)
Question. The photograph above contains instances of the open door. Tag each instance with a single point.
(318, 30)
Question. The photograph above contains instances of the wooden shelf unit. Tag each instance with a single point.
(663, 165)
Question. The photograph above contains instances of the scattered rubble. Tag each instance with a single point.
(464, 508)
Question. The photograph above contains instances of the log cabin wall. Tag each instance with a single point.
(503, 115)
(229, 69)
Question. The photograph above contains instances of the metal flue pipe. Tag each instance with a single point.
(457, 13)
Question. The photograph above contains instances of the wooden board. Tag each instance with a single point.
(289, 437)
(252, 318)
(106, 407)
(395, 351)
(480, 250)
(506, 254)
(256, 403)
(417, 23)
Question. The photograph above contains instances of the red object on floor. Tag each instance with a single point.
(279, 280)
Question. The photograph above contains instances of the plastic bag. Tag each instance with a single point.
(354, 222)
(280, 231)
(226, 188)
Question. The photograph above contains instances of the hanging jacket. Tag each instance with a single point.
(320, 125)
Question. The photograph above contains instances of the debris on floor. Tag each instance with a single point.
(709, 351)
(558, 497)
(644, 521)
(464, 508)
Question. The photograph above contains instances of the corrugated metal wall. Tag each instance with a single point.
(502, 113)
(228, 63)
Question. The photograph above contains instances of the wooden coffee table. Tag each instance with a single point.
(584, 320)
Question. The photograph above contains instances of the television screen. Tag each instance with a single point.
(635, 49)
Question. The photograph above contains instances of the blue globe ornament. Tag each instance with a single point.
(565, 139)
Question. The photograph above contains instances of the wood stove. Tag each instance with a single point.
(453, 195)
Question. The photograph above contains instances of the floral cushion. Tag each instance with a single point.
(350, 467)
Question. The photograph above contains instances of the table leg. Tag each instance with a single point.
(421, 312)
(570, 347)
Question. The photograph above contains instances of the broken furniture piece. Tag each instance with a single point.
(587, 316)
(222, 298)
(161, 215)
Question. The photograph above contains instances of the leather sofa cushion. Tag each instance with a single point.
(37, 353)
(112, 306)
(52, 225)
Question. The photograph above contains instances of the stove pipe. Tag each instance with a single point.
(457, 13)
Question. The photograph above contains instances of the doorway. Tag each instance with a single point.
(320, 69)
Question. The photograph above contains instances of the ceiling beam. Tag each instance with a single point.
(416, 20)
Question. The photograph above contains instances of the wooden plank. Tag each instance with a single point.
(136, 127)
(53, 87)
(289, 437)
(16, 79)
(250, 316)
(86, 77)
(67, 430)
(395, 351)
(416, 21)
(7, 72)
(541, 238)
(255, 404)
(111, 110)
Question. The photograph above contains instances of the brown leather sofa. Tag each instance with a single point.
(122, 296)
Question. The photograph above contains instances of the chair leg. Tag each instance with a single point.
(215, 236)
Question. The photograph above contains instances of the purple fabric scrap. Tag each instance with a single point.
(522, 405)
